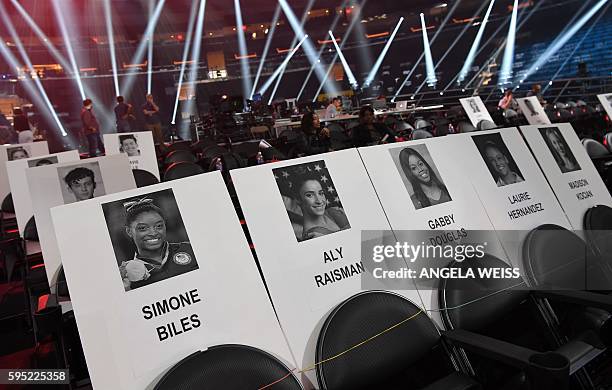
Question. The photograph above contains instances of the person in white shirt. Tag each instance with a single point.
(334, 108)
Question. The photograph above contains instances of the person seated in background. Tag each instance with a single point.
(362, 134)
(22, 127)
(313, 139)
(536, 90)
(507, 102)
(334, 108)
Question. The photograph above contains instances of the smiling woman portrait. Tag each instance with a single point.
(427, 187)
(155, 253)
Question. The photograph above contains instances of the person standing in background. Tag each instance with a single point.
(22, 126)
(121, 115)
(91, 128)
(152, 120)
(536, 90)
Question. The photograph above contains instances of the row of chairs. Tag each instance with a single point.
(497, 335)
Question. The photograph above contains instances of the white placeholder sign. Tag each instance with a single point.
(510, 185)
(17, 152)
(156, 274)
(19, 184)
(428, 201)
(139, 148)
(72, 182)
(306, 217)
(606, 102)
(533, 111)
(568, 168)
(476, 110)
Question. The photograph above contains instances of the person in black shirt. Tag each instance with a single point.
(313, 139)
(362, 134)
(122, 110)
(152, 120)
(22, 127)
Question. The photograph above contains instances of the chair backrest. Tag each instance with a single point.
(422, 124)
(594, 148)
(7, 204)
(465, 127)
(608, 141)
(554, 257)
(381, 359)
(180, 145)
(598, 229)
(260, 130)
(572, 103)
(475, 303)
(510, 113)
(144, 178)
(48, 320)
(486, 125)
(62, 285)
(421, 134)
(178, 156)
(229, 367)
(182, 169)
(403, 126)
(30, 232)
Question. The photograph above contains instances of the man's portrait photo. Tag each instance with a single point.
(498, 159)
(81, 182)
(128, 144)
(149, 239)
(311, 200)
(42, 161)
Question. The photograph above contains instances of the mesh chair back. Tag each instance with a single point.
(378, 362)
(144, 178)
(403, 126)
(608, 141)
(486, 125)
(422, 124)
(421, 134)
(474, 304)
(228, 367)
(30, 232)
(465, 127)
(182, 169)
(598, 228)
(178, 156)
(7, 204)
(594, 148)
(181, 145)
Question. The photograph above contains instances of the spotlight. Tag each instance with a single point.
(190, 27)
(308, 47)
(431, 73)
(266, 48)
(64, 30)
(111, 43)
(506, 69)
(472, 53)
(279, 69)
(150, 51)
(382, 55)
(345, 64)
(242, 47)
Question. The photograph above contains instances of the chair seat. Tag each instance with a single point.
(454, 381)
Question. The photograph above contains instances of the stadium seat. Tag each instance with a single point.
(486, 125)
(608, 141)
(410, 356)
(598, 230)
(465, 127)
(179, 170)
(179, 156)
(229, 367)
(421, 134)
(144, 178)
(595, 149)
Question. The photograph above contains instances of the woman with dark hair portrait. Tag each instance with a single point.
(500, 165)
(318, 218)
(313, 139)
(563, 156)
(129, 145)
(155, 259)
(18, 154)
(428, 188)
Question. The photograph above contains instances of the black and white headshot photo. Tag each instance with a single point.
(474, 106)
(149, 239)
(311, 200)
(420, 176)
(128, 144)
(81, 182)
(42, 161)
(18, 153)
(500, 162)
(560, 149)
